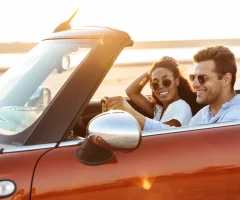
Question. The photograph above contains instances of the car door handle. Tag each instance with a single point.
(7, 188)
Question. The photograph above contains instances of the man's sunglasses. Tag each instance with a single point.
(165, 82)
(202, 78)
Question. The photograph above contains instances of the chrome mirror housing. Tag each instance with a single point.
(109, 132)
(118, 129)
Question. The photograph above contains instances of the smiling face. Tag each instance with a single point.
(166, 95)
(211, 91)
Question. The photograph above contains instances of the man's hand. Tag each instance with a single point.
(119, 103)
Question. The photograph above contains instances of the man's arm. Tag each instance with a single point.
(151, 124)
(119, 103)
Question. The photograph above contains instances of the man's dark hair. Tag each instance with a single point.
(223, 58)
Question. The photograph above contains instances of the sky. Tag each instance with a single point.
(32, 20)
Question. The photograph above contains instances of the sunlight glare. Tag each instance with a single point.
(143, 20)
(146, 184)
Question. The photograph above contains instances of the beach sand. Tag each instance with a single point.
(119, 77)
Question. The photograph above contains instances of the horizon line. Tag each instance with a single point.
(24, 47)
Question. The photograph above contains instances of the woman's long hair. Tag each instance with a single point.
(185, 91)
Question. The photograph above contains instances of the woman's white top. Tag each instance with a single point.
(179, 110)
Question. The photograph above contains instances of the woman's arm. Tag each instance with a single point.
(173, 122)
(134, 93)
(177, 114)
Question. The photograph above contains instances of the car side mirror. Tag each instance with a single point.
(106, 133)
(41, 97)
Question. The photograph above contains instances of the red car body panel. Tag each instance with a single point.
(200, 164)
(19, 168)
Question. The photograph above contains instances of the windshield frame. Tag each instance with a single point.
(86, 80)
(20, 138)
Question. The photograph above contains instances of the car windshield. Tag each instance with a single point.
(30, 86)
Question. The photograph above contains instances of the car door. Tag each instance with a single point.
(17, 168)
(181, 163)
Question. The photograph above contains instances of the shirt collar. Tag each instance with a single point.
(234, 101)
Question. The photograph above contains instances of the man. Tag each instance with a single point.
(214, 79)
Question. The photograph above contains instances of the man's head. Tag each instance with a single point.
(215, 74)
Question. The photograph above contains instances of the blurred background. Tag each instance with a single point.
(158, 27)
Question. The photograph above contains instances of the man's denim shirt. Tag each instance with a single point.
(230, 111)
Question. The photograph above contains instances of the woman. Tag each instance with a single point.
(173, 102)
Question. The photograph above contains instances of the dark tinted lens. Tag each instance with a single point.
(192, 77)
(201, 79)
(154, 85)
(166, 82)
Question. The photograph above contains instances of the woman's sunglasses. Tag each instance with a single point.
(165, 82)
(202, 78)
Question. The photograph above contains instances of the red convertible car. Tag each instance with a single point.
(57, 144)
